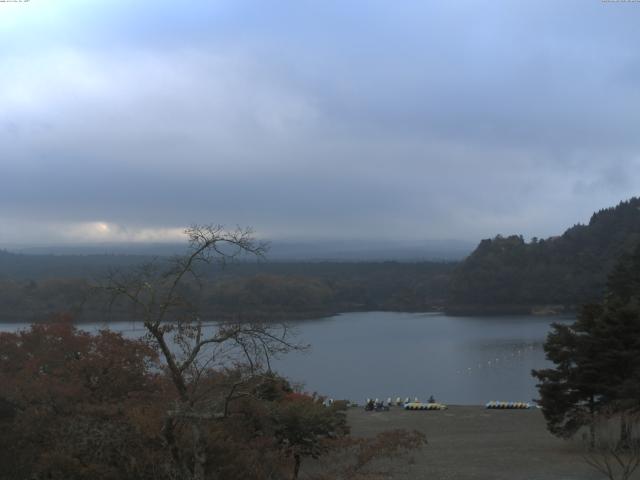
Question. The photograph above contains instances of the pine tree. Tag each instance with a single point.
(597, 358)
(570, 393)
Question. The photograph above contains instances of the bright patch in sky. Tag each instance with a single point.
(106, 232)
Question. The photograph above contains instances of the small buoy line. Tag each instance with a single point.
(517, 354)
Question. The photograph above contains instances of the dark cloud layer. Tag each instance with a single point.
(333, 119)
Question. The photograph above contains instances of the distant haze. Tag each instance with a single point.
(329, 121)
(349, 250)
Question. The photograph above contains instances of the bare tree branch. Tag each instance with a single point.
(159, 295)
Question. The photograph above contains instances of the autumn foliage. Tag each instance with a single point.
(75, 405)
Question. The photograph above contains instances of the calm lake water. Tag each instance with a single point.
(458, 360)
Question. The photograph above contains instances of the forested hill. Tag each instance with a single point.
(34, 286)
(507, 274)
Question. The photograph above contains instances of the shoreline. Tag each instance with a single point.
(273, 317)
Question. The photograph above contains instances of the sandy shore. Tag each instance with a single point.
(475, 443)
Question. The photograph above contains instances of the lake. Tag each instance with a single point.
(458, 360)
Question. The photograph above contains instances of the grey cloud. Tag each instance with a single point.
(422, 119)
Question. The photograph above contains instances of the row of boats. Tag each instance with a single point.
(508, 405)
(431, 404)
(398, 402)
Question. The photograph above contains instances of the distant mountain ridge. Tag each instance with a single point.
(23, 266)
(508, 275)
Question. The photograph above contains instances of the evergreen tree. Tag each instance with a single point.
(570, 393)
(597, 358)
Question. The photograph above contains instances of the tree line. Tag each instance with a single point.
(266, 290)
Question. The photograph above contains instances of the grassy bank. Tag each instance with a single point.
(475, 443)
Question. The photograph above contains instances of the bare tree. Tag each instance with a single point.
(616, 450)
(164, 296)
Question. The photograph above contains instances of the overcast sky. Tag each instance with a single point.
(414, 120)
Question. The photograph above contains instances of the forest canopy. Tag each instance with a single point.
(508, 273)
